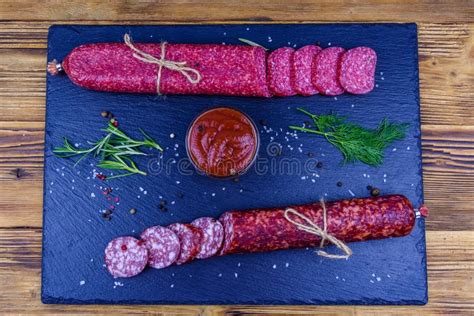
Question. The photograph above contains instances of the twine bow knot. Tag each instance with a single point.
(313, 228)
(191, 74)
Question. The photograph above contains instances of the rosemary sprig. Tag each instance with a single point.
(114, 150)
(249, 42)
(355, 142)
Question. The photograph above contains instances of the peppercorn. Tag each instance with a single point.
(105, 114)
(133, 211)
(375, 192)
(339, 184)
(319, 165)
(307, 124)
(107, 212)
(310, 155)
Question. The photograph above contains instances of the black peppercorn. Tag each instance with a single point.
(310, 155)
(339, 184)
(319, 165)
(375, 192)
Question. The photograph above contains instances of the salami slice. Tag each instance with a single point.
(357, 71)
(279, 66)
(325, 71)
(125, 257)
(163, 246)
(302, 69)
(190, 240)
(213, 235)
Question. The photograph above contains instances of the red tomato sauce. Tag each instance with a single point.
(222, 142)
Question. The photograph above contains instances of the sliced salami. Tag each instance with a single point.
(326, 69)
(125, 257)
(163, 246)
(213, 235)
(190, 240)
(279, 66)
(302, 69)
(357, 70)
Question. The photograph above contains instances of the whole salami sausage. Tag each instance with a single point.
(189, 68)
(347, 220)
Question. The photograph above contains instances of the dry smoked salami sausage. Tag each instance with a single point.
(225, 69)
(348, 220)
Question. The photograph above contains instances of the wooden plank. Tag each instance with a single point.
(450, 257)
(246, 10)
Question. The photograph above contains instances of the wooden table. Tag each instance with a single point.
(446, 48)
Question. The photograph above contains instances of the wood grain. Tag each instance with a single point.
(446, 47)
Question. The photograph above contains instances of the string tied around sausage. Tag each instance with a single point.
(312, 228)
(193, 75)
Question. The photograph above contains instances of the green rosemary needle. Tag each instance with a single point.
(115, 150)
(355, 142)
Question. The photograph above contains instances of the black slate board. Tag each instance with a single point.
(389, 271)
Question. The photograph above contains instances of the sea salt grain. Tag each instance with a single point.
(274, 266)
(82, 282)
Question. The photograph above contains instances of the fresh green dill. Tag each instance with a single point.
(114, 150)
(355, 142)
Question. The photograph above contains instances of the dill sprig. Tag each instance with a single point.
(114, 149)
(355, 142)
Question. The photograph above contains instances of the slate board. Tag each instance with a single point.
(391, 271)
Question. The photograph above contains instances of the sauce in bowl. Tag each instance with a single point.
(222, 142)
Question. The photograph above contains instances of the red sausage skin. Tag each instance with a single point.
(225, 69)
(348, 220)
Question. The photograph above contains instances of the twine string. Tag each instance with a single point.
(313, 228)
(191, 74)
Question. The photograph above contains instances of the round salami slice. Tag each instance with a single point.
(357, 70)
(190, 240)
(279, 64)
(163, 246)
(302, 69)
(213, 235)
(125, 257)
(325, 71)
